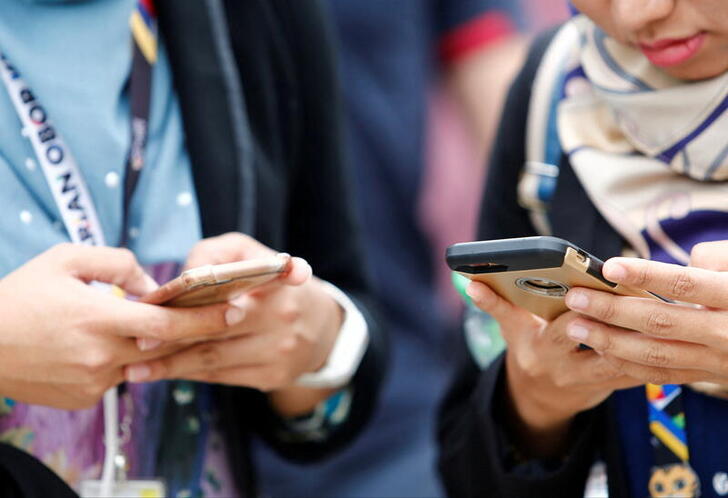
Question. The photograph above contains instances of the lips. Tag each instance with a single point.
(671, 52)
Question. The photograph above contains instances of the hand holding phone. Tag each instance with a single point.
(274, 333)
(50, 293)
(549, 378)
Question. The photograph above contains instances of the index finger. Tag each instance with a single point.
(691, 285)
(130, 319)
(225, 248)
(298, 273)
(710, 255)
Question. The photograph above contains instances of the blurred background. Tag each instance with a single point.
(423, 83)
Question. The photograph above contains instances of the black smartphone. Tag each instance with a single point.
(534, 273)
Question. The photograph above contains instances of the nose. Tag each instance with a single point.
(633, 16)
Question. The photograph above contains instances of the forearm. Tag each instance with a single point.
(537, 421)
(302, 398)
(335, 422)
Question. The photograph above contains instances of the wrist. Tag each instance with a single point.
(538, 416)
(295, 401)
(333, 318)
(349, 344)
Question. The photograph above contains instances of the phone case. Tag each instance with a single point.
(534, 273)
(218, 283)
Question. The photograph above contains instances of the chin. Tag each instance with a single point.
(698, 71)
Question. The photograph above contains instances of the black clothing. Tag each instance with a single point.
(24, 476)
(257, 88)
(268, 163)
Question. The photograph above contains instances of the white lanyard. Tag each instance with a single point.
(59, 167)
(79, 217)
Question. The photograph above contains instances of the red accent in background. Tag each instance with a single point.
(489, 28)
(149, 5)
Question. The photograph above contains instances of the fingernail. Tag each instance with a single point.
(234, 315)
(577, 300)
(614, 271)
(577, 332)
(146, 344)
(474, 292)
(138, 373)
(309, 272)
(240, 300)
(303, 269)
(149, 283)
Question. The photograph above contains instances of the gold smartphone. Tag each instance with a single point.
(534, 273)
(212, 284)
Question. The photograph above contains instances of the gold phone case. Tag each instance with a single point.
(218, 283)
(534, 273)
(542, 290)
